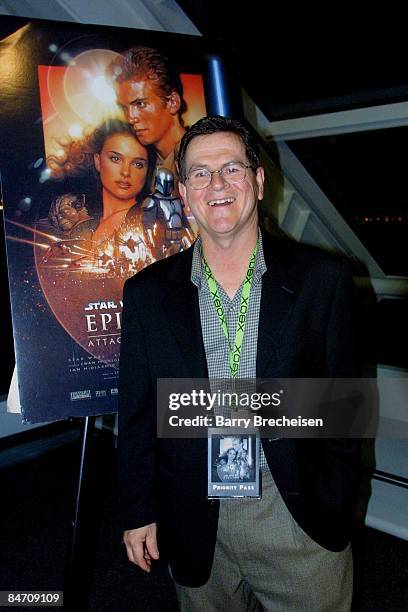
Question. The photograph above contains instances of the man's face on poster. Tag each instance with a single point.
(150, 114)
(237, 445)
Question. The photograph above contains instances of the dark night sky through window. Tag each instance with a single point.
(365, 175)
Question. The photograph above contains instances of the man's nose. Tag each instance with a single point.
(132, 114)
(217, 180)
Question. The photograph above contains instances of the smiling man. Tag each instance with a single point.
(290, 549)
(150, 93)
(224, 202)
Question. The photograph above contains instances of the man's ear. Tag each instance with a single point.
(97, 161)
(182, 192)
(260, 180)
(174, 103)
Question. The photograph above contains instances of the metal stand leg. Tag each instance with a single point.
(84, 526)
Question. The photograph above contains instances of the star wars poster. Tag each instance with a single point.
(91, 121)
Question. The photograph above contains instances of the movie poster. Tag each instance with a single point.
(92, 118)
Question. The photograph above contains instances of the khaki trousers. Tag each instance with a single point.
(264, 561)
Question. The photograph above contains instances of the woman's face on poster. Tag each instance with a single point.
(231, 454)
(122, 165)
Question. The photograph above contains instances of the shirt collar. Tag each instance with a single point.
(196, 265)
(197, 274)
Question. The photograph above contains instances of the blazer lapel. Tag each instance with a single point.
(277, 302)
(183, 316)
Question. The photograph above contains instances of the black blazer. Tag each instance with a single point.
(306, 329)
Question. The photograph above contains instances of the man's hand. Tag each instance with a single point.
(141, 545)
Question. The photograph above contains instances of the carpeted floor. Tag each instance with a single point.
(38, 483)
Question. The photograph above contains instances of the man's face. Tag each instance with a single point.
(237, 445)
(222, 208)
(150, 115)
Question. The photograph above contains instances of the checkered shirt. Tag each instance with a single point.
(215, 343)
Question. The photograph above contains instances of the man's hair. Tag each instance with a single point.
(213, 125)
(148, 62)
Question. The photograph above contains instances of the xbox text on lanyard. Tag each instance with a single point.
(235, 351)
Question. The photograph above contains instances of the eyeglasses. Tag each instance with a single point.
(233, 172)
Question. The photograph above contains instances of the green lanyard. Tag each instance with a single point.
(235, 352)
